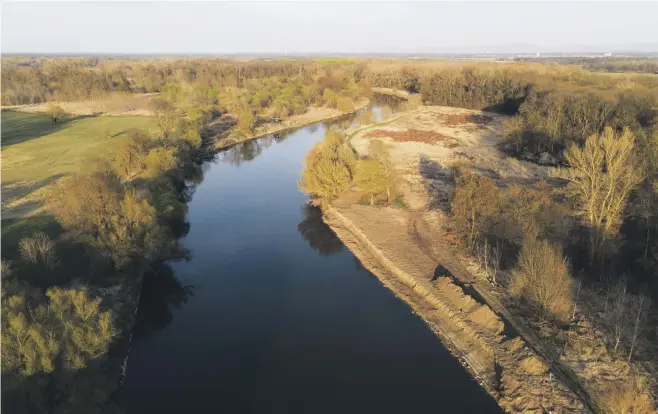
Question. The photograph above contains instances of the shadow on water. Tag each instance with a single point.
(317, 233)
(162, 294)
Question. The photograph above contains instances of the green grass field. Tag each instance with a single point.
(36, 152)
(33, 148)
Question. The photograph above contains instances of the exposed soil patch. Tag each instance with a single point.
(453, 120)
(415, 135)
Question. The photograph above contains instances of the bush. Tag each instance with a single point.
(55, 112)
(542, 278)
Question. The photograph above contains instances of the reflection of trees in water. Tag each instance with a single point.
(317, 233)
(162, 293)
(246, 151)
(379, 99)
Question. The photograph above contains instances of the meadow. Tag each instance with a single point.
(36, 152)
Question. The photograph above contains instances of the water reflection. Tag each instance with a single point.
(162, 293)
(243, 152)
(317, 233)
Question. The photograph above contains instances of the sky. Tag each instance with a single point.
(325, 27)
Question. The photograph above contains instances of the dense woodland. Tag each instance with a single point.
(595, 223)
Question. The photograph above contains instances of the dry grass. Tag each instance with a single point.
(115, 104)
(632, 396)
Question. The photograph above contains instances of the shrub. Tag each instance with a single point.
(542, 278)
(55, 112)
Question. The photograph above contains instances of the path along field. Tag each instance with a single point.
(36, 153)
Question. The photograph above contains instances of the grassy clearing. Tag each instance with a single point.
(36, 152)
(35, 149)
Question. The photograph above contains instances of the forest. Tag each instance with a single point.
(120, 215)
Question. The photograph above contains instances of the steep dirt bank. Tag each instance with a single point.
(312, 116)
(502, 361)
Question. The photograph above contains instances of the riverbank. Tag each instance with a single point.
(403, 247)
(312, 116)
(415, 244)
(503, 363)
(398, 93)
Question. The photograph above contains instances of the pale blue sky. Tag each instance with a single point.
(322, 27)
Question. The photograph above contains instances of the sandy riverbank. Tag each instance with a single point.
(410, 252)
(312, 116)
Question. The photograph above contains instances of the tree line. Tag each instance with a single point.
(115, 219)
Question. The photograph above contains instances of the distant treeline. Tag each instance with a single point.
(29, 81)
(606, 64)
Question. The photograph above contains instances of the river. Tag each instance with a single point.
(272, 314)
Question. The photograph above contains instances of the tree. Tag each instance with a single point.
(127, 155)
(117, 224)
(601, 177)
(38, 249)
(165, 115)
(328, 167)
(542, 278)
(246, 122)
(376, 175)
(476, 200)
(48, 344)
(55, 112)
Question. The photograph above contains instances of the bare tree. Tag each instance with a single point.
(601, 177)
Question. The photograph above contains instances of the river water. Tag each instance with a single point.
(272, 314)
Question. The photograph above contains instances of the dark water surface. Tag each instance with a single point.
(273, 314)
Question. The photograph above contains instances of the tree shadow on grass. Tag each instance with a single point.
(439, 183)
(18, 127)
(16, 190)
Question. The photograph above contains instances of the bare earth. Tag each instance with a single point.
(414, 255)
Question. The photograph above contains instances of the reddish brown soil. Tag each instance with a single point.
(463, 119)
(415, 135)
